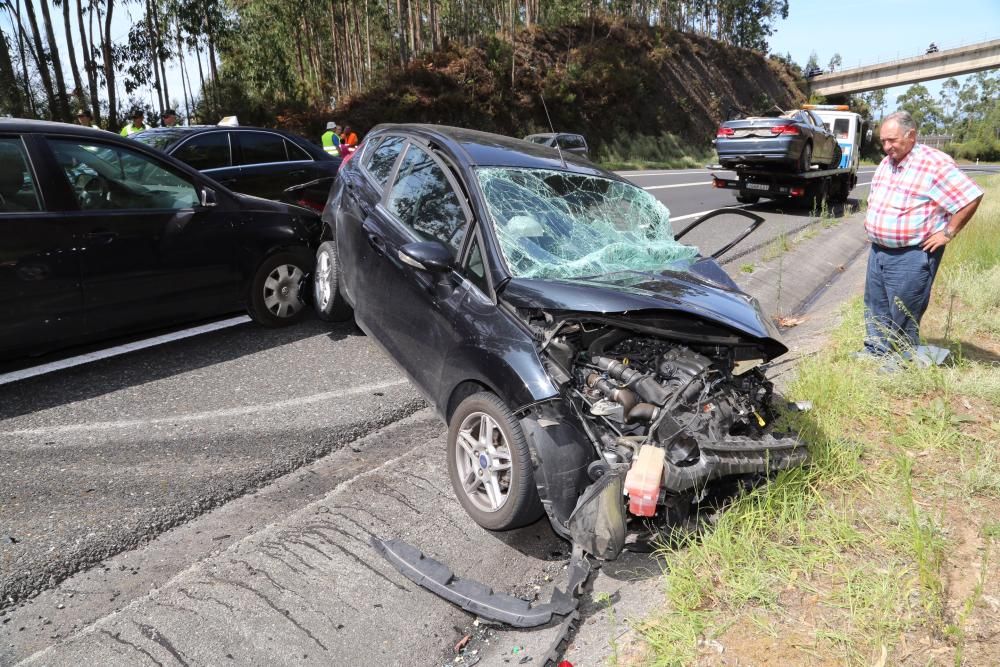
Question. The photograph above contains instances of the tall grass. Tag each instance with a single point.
(844, 559)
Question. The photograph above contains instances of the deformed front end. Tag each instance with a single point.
(644, 419)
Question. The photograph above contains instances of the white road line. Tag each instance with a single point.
(663, 173)
(14, 376)
(700, 213)
(676, 185)
(211, 414)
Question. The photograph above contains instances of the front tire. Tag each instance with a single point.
(490, 465)
(330, 304)
(276, 289)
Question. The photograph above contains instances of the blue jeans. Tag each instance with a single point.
(897, 291)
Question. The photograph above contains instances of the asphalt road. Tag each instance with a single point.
(99, 461)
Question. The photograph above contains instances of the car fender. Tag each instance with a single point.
(512, 371)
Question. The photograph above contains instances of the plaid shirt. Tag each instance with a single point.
(916, 198)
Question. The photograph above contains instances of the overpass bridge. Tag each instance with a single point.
(949, 62)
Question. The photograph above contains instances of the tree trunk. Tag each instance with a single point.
(151, 38)
(109, 67)
(71, 49)
(25, 81)
(402, 33)
(10, 96)
(41, 60)
(86, 45)
(50, 36)
(184, 83)
(160, 47)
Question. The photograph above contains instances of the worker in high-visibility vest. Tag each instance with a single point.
(331, 140)
(137, 124)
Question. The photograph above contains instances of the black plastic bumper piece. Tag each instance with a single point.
(735, 456)
(477, 598)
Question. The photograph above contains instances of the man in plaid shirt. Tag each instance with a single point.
(919, 201)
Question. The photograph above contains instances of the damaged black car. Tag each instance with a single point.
(589, 365)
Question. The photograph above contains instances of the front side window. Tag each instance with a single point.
(475, 268)
(17, 186)
(423, 199)
(262, 147)
(109, 177)
(382, 158)
(554, 224)
(206, 151)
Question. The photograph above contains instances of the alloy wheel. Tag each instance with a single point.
(484, 462)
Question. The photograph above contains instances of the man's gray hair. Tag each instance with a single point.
(903, 119)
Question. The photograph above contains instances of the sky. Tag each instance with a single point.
(868, 31)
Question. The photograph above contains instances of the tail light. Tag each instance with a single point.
(725, 132)
(784, 129)
(311, 205)
(350, 154)
(797, 192)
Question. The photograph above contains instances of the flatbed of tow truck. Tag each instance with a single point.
(753, 183)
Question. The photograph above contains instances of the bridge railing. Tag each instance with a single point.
(942, 46)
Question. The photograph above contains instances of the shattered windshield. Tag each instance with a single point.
(554, 224)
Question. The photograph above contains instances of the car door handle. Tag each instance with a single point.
(376, 242)
(104, 237)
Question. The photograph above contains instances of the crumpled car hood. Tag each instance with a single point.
(704, 291)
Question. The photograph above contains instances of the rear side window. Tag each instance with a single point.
(206, 151)
(294, 152)
(423, 199)
(382, 158)
(841, 127)
(17, 187)
(262, 147)
(572, 141)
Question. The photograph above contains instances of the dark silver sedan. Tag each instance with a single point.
(796, 140)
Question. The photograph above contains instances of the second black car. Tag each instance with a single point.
(255, 161)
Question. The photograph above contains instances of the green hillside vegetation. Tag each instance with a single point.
(635, 92)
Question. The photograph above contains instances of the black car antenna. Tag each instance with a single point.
(553, 130)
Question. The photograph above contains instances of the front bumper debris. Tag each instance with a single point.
(479, 599)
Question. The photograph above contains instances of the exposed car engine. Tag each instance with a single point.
(678, 414)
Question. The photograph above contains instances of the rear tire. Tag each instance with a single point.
(490, 465)
(805, 158)
(275, 298)
(747, 199)
(329, 302)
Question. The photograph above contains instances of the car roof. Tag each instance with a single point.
(482, 149)
(27, 125)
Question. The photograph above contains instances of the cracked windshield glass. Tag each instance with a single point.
(554, 224)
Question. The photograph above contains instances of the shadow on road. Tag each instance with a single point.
(156, 363)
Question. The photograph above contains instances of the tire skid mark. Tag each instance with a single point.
(117, 638)
(272, 547)
(206, 598)
(152, 633)
(353, 556)
(285, 613)
(358, 509)
(395, 494)
(432, 486)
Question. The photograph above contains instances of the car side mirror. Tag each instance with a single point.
(207, 197)
(431, 256)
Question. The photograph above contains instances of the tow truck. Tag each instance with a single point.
(754, 182)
